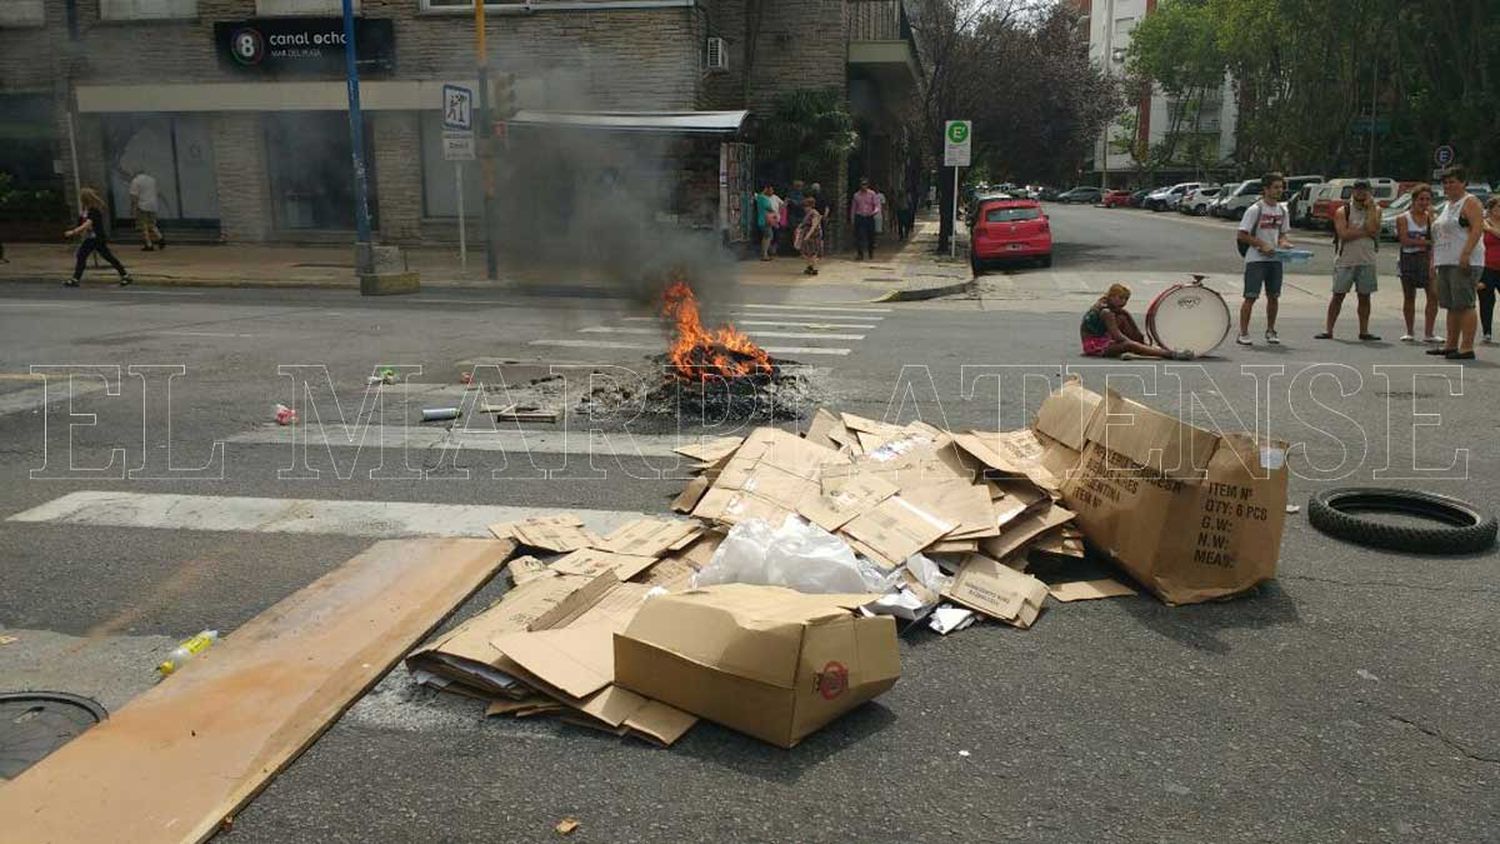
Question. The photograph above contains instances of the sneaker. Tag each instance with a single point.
(1431, 339)
(72, 282)
(1441, 351)
(1244, 340)
(1487, 341)
(1369, 338)
(1407, 338)
(1272, 337)
(126, 280)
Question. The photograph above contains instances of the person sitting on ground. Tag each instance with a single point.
(1109, 331)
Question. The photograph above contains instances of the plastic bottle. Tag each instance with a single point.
(186, 651)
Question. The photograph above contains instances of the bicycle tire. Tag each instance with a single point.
(1465, 529)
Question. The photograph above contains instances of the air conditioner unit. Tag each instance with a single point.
(716, 56)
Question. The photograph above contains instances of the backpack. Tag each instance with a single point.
(1245, 247)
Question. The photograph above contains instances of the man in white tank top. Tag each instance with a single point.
(1356, 226)
(1458, 257)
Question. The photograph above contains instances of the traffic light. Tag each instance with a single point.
(502, 96)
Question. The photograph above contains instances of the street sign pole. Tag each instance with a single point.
(958, 141)
(463, 245)
(953, 238)
(364, 259)
(486, 149)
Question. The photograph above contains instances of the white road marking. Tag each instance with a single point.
(610, 344)
(780, 335)
(827, 325)
(383, 519)
(33, 398)
(206, 334)
(577, 442)
(820, 308)
(749, 319)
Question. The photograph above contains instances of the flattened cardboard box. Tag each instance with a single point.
(998, 591)
(1190, 514)
(767, 661)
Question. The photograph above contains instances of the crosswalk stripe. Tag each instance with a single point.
(510, 441)
(820, 308)
(608, 344)
(381, 519)
(779, 335)
(777, 323)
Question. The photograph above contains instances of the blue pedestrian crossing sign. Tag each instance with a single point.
(1442, 156)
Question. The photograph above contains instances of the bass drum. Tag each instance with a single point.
(1190, 317)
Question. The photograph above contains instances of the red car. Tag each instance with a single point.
(1116, 199)
(1006, 229)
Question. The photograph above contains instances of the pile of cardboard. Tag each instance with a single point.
(610, 631)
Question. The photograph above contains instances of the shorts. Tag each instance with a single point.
(1456, 286)
(1415, 269)
(1360, 279)
(1095, 347)
(1265, 274)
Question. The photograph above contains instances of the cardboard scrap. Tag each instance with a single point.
(895, 529)
(764, 660)
(651, 536)
(566, 826)
(690, 495)
(998, 591)
(1025, 529)
(843, 497)
(711, 450)
(526, 568)
(1088, 590)
(589, 562)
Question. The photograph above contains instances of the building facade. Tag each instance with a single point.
(1204, 130)
(239, 107)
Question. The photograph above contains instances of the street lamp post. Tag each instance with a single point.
(364, 258)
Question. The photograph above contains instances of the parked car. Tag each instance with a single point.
(1332, 196)
(1138, 197)
(1010, 229)
(1400, 205)
(1167, 198)
(1051, 194)
(1197, 201)
(1300, 205)
(1244, 195)
(1116, 199)
(1081, 194)
(1292, 196)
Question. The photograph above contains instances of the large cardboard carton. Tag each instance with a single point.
(764, 660)
(1192, 514)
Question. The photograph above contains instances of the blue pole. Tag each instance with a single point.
(364, 263)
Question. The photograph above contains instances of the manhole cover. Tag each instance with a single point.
(33, 724)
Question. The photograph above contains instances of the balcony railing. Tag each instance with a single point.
(877, 20)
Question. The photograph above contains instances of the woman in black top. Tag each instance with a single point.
(91, 226)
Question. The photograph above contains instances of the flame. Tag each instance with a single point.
(698, 354)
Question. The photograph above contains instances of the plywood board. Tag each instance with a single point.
(175, 762)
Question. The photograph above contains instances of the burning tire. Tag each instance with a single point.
(1465, 528)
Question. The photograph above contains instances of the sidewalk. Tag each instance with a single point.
(903, 270)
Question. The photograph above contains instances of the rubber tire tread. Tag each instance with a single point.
(1467, 530)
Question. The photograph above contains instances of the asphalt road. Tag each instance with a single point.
(1351, 700)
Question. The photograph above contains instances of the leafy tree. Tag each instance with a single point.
(809, 130)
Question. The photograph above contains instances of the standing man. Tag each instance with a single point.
(863, 210)
(144, 207)
(1263, 230)
(1355, 227)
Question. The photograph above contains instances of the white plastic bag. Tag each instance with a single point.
(798, 555)
(908, 603)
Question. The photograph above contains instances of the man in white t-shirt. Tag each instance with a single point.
(143, 207)
(1263, 230)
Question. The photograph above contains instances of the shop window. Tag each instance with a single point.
(22, 13)
(177, 151)
(134, 10)
(312, 170)
(301, 7)
(440, 177)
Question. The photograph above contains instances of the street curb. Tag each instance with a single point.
(922, 293)
(177, 281)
